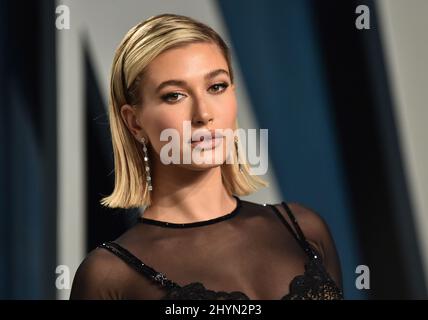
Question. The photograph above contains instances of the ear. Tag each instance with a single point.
(130, 117)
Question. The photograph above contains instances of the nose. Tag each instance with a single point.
(202, 113)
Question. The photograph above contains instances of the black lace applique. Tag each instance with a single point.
(197, 291)
(314, 284)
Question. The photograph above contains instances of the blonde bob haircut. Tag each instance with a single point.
(139, 47)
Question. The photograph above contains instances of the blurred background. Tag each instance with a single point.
(345, 108)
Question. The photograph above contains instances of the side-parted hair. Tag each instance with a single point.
(143, 43)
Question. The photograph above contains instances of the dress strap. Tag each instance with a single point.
(137, 264)
(297, 232)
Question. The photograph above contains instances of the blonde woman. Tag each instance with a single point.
(196, 239)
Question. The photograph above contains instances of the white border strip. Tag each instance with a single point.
(71, 151)
(404, 26)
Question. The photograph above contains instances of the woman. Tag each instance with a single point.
(196, 238)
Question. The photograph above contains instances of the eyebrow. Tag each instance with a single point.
(182, 83)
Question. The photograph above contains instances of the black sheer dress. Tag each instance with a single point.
(254, 252)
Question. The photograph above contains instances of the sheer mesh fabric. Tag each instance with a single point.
(254, 252)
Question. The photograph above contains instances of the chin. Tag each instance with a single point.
(201, 167)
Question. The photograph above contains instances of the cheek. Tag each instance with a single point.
(228, 110)
(156, 122)
(168, 120)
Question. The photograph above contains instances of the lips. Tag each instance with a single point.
(199, 136)
(206, 144)
(208, 139)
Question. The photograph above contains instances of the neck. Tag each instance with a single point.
(182, 195)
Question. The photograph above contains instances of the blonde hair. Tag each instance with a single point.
(139, 47)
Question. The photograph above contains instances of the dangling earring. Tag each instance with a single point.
(147, 168)
(237, 154)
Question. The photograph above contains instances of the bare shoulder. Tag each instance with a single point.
(97, 276)
(313, 225)
(310, 222)
(99, 260)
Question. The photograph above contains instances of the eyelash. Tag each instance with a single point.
(165, 97)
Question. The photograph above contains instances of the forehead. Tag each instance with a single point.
(188, 62)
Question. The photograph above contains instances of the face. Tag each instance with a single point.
(186, 84)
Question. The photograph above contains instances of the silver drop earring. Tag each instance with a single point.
(237, 155)
(147, 167)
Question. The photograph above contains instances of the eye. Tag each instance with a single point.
(172, 97)
(218, 87)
